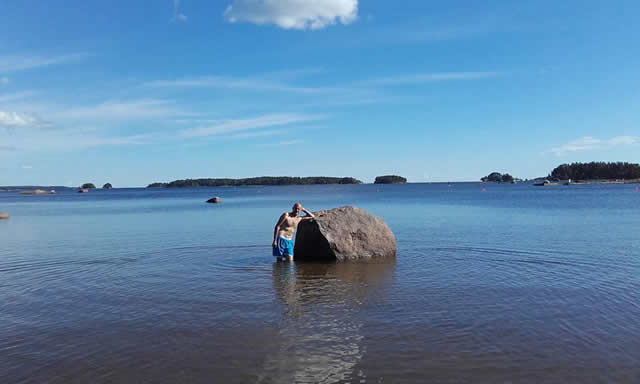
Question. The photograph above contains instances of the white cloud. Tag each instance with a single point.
(293, 14)
(177, 15)
(420, 78)
(12, 120)
(238, 125)
(4, 80)
(22, 63)
(589, 143)
(27, 167)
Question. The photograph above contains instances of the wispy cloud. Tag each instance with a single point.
(293, 14)
(420, 78)
(27, 167)
(124, 110)
(24, 62)
(240, 83)
(7, 97)
(14, 120)
(589, 143)
(424, 32)
(8, 148)
(177, 15)
(4, 80)
(283, 143)
(238, 125)
(248, 135)
(60, 141)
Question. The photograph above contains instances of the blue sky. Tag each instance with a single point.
(136, 92)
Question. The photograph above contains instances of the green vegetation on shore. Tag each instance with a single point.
(497, 177)
(390, 179)
(596, 171)
(265, 180)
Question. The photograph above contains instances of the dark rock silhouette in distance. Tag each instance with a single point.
(214, 200)
(107, 186)
(390, 179)
(344, 234)
(88, 186)
(4, 215)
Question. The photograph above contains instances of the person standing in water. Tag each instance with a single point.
(284, 230)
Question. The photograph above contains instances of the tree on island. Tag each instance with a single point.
(265, 180)
(497, 177)
(390, 179)
(107, 186)
(87, 186)
(596, 171)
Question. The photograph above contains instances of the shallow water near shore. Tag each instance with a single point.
(513, 284)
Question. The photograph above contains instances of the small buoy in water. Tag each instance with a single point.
(214, 200)
(4, 215)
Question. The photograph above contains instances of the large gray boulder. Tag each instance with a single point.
(344, 234)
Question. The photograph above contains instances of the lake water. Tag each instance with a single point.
(514, 284)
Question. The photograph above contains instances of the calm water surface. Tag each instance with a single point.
(516, 284)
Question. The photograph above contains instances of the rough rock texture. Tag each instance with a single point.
(214, 200)
(4, 215)
(344, 234)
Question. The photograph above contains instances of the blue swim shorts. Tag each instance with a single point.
(284, 248)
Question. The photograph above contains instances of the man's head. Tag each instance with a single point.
(297, 207)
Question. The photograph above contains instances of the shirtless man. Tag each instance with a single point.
(284, 230)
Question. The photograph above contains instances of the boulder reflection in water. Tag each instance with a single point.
(320, 334)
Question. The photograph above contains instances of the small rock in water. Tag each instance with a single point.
(214, 200)
(4, 215)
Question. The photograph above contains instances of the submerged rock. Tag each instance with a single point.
(214, 200)
(4, 215)
(344, 234)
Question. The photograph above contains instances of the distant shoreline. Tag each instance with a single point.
(527, 182)
(262, 180)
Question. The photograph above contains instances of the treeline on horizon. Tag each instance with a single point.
(265, 180)
(597, 171)
(497, 177)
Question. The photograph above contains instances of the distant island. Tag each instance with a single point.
(596, 171)
(88, 186)
(107, 186)
(497, 177)
(390, 179)
(265, 180)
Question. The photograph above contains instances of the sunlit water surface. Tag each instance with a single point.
(513, 284)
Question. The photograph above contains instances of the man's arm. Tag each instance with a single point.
(277, 228)
(309, 215)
